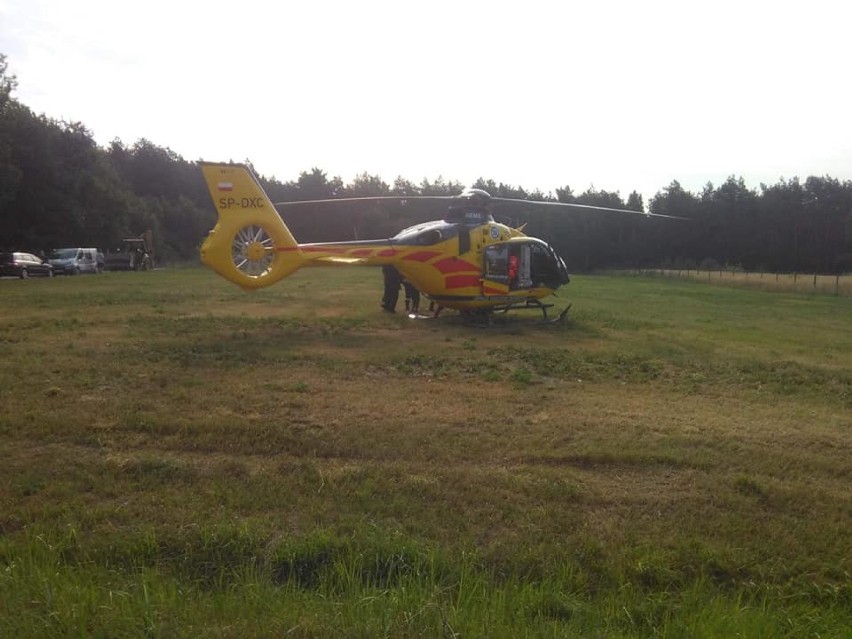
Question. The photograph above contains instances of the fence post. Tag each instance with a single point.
(815, 278)
(837, 284)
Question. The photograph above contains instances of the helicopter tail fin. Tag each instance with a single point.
(250, 244)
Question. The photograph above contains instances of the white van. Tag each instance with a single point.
(72, 261)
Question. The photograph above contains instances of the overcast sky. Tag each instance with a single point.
(615, 95)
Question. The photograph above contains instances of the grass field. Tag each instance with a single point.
(806, 283)
(181, 458)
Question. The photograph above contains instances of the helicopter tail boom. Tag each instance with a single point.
(250, 244)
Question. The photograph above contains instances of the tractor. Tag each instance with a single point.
(134, 254)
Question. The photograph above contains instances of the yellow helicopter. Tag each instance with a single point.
(465, 261)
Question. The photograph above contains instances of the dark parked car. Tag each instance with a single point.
(23, 265)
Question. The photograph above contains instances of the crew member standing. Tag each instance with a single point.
(412, 297)
(392, 283)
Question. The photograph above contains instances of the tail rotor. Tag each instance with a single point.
(250, 244)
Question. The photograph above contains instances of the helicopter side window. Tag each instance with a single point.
(432, 236)
(420, 236)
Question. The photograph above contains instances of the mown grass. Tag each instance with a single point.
(806, 283)
(184, 459)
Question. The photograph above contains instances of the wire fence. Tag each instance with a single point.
(840, 285)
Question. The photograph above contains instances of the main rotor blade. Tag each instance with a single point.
(402, 199)
(373, 198)
(518, 202)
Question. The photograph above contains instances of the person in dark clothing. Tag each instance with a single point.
(412, 297)
(392, 283)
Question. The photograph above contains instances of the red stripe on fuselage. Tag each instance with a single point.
(462, 281)
(421, 256)
(455, 265)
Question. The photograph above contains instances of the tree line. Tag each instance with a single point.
(59, 188)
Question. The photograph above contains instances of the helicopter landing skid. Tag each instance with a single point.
(485, 317)
(559, 319)
(542, 307)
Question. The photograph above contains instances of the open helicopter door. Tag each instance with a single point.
(508, 267)
(522, 264)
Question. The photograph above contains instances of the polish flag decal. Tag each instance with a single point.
(226, 186)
